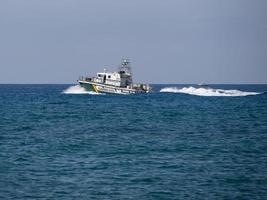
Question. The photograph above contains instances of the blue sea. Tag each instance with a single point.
(179, 142)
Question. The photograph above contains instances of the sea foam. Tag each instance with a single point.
(207, 91)
(76, 89)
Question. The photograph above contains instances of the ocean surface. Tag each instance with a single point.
(179, 142)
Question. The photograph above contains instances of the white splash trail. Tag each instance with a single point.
(76, 89)
(207, 91)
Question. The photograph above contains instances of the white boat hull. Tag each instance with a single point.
(104, 88)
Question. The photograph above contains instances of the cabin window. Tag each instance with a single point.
(109, 76)
(99, 75)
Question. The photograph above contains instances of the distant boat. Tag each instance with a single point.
(120, 82)
(203, 85)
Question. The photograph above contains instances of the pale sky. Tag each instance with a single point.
(168, 41)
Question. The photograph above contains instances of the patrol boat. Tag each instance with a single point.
(120, 82)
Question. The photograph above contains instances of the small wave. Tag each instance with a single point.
(207, 91)
(76, 89)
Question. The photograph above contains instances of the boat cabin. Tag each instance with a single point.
(115, 79)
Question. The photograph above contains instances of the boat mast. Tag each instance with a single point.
(125, 68)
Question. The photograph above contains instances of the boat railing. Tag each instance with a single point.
(82, 78)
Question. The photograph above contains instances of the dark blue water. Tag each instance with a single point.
(154, 146)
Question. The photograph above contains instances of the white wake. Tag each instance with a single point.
(76, 89)
(207, 91)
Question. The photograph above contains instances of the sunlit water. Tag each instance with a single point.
(180, 142)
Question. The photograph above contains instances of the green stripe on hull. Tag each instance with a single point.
(88, 87)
